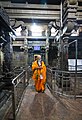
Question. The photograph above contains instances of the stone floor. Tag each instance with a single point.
(43, 106)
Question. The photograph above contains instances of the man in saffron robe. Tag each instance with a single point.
(39, 74)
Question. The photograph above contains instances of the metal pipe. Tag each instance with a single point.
(75, 67)
(72, 42)
(13, 103)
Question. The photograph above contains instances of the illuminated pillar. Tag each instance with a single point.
(26, 51)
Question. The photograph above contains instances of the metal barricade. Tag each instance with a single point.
(65, 83)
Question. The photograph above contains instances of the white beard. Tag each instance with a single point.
(39, 62)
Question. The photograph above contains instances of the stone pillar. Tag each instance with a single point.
(46, 56)
(26, 51)
(47, 48)
(65, 54)
(1, 60)
(8, 52)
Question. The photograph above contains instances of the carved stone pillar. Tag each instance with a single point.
(47, 48)
(8, 52)
(26, 51)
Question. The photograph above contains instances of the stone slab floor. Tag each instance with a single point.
(43, 106)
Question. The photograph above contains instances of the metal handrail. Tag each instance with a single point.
(13, 81)
(19, 83)
(63, 82)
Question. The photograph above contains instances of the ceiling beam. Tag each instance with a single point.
(33, 37)
(42, 12)
(49, 17)
(31, 11)
(33, 14)
(28, 6)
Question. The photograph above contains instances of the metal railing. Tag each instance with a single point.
(65, 83)
(19, 84)
(72, 68)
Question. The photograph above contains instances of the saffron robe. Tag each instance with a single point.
(37, 73)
